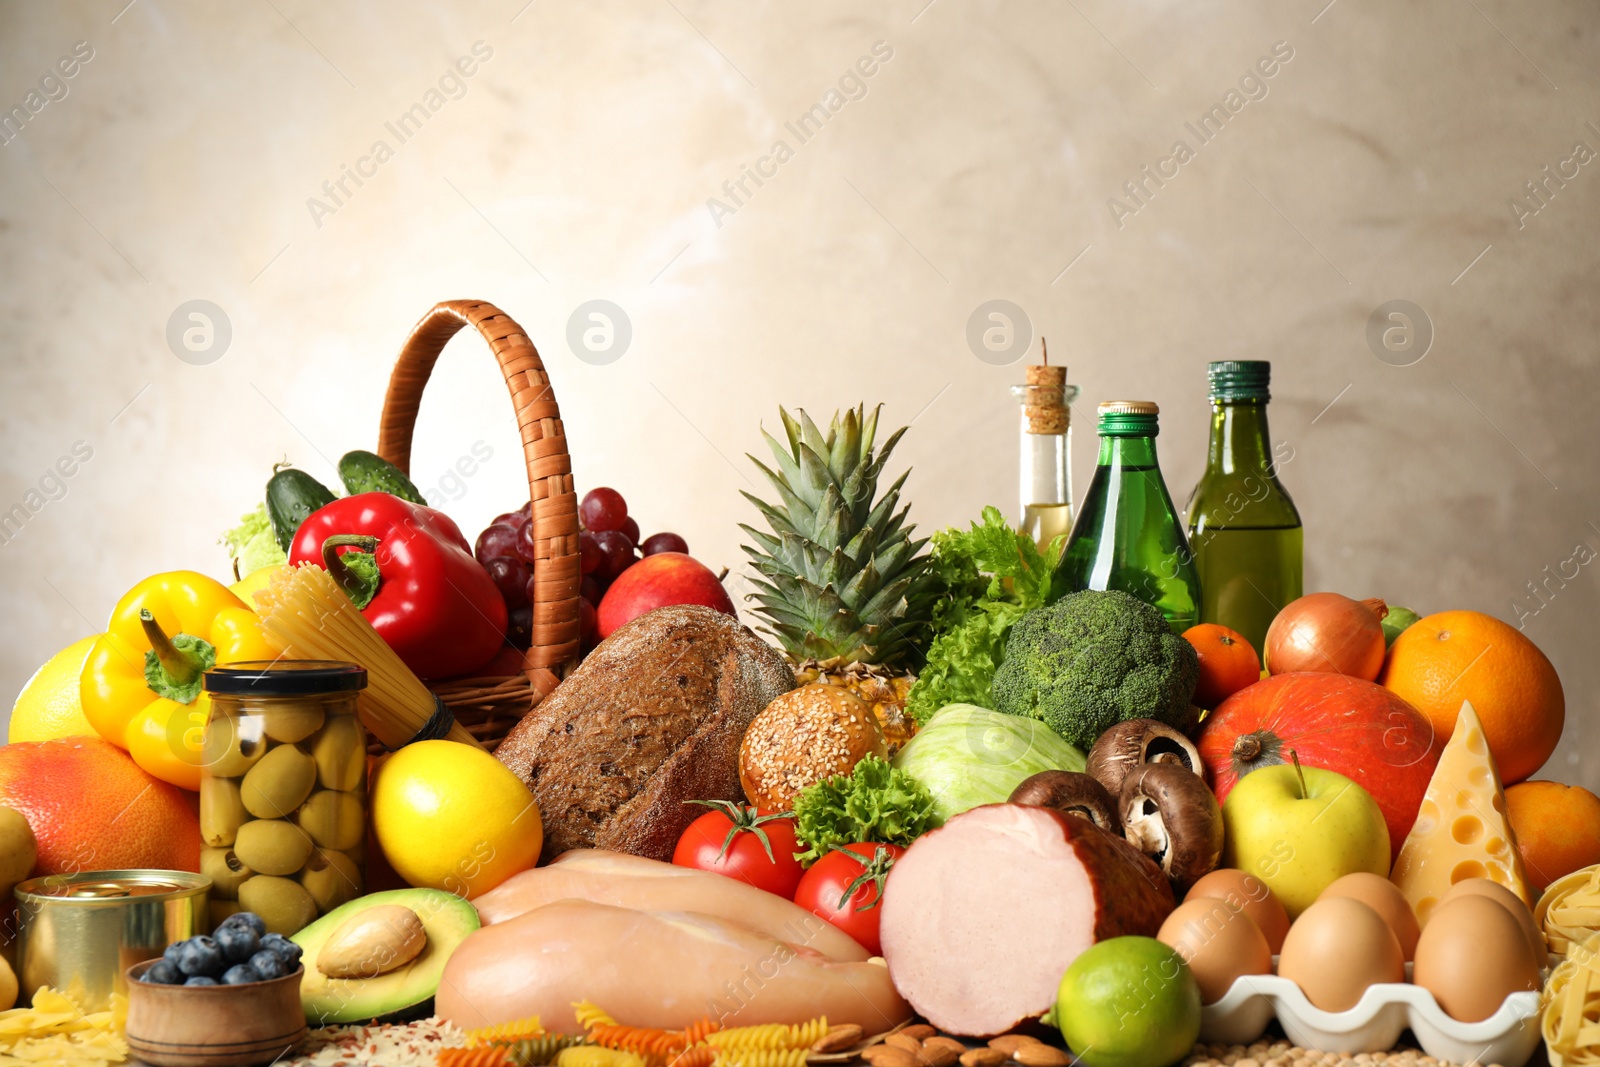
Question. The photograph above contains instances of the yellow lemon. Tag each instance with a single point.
(450, 816)
(247, 587)
(48, 706)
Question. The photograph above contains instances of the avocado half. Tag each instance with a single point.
(402, 994)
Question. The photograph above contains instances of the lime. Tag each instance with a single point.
(1396, 622)
(1129, 1002)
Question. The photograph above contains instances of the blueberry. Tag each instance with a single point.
(247, 919)
(285, 949)
(238, 942)
(172, 951)
(163, 972)
(200, 979)
(268, 965)
(201, 956)
(240, 974)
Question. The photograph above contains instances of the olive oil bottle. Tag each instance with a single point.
(1244, 530)
(1128, 536)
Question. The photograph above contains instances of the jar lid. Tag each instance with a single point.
(286, 677)
(1239, 379)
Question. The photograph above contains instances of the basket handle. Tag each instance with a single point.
(556, 572)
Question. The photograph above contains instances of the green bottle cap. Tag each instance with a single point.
(1128, 418)
(1239, 379)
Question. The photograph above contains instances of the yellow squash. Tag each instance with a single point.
(140, 685)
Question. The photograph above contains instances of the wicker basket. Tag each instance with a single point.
(489, 707)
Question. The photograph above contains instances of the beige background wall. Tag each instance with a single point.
(975, 163)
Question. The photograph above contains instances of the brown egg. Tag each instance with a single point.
(1511, 902)
(1249, 894)
(1471, 956)
(1218, 942)
(1336, 949)
(1383, 897)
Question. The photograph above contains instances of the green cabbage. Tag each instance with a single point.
(966, 755)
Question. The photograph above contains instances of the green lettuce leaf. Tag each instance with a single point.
(252, 543)
(873, 803)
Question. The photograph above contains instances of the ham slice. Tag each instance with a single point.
(656, 969)
(635, 882)
(982, 917)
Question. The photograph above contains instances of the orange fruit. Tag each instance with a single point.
(1557, 828)
(1452, 656)
(93, 809)
(1227, 663)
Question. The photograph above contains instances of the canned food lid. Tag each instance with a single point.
(286, 677)
(112, 885)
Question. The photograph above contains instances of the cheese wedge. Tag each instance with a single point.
(1461, 830)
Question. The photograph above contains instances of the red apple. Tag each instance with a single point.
(1331, 721)
(658, 581)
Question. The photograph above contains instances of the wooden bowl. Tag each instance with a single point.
(213, 1026)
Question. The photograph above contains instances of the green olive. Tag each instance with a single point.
(290, 722)
(232, 746)
(222, 866)
(341, 754)
(268, 846)
(331, 878)
(282, 903)
(279, 783)
(221, 909)
(333, 819)
(222, 811)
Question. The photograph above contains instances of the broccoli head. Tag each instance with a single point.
(1092, 660)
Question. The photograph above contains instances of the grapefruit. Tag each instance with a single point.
(92, 808)
(48, 706)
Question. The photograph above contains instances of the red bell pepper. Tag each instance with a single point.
(412, 574)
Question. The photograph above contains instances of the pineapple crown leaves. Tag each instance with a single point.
(840, 574)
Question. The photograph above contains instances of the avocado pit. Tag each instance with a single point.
(373, 942)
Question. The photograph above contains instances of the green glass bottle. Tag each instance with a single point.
(1243, 529)
(1128, 536)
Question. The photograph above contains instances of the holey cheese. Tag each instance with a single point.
(1461, 830)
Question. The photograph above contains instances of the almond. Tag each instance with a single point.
(983, 1057)
(1009, 1043)
(838, 1039)
(889, 1056)
(939, 1055)
(921, 1031)
(1039, 1054)
(941, 1041)
(905, 1041)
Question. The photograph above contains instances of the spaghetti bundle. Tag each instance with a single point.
(305, 615)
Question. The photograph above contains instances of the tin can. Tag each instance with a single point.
(79, 932)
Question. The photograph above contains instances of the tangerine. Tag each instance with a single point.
(1557, 828)
(92, 808)
(1227, 663)
(1454, 656)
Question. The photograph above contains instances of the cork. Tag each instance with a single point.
(1045, 404)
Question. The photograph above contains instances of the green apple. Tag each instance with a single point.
(1300, 828)
(1129, 1002)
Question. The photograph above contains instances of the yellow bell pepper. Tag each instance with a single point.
(140, 685)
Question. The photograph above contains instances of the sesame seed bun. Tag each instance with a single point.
(802, 737)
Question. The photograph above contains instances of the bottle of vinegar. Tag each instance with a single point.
(1045, 481)
(1128, 536)
(1243, 529)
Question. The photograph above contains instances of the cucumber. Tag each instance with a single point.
(367, 472)
(291, 496)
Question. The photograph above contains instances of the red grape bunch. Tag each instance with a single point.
(608, 545)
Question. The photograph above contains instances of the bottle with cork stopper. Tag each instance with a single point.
(1045, 472)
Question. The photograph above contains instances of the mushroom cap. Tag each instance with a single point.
(1173, 817)
(1134, 742)
(1071, 793)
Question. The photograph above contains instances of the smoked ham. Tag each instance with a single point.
(635, 882)
(654, 969)
(982, 916)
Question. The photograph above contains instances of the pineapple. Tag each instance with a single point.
(841, 584)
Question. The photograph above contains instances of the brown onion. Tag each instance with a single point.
(1329, 633)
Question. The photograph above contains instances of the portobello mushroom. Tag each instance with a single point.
(1134, 742)
(1070, 793)
(1173, 817)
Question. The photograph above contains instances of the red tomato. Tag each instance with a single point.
(756, 847)
(845, 888)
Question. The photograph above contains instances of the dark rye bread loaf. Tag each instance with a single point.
(652, 718)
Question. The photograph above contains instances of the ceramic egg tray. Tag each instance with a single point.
(1507, 1037)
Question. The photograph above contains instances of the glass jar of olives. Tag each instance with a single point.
(283, 804)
